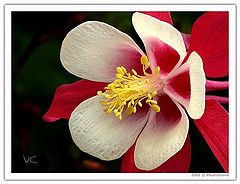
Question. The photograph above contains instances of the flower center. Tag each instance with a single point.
(131, 89)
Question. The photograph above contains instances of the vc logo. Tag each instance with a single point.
(30, 159)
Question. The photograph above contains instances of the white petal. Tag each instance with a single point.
(160, 140)
(197, 78)
(149, 27)
(103, 135)
(94, 49)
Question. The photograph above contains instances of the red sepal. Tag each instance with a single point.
(209, 38)
(68, 96)
(214, 127)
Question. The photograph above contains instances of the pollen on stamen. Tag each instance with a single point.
(124, 69)
(140, 104)
(99, 93)
(153, 93)
(129, 110)
(157, 70)
(156, 108)
(153, 102)
(144, 60)
(134, 72)
(128, 91)
(119, 70)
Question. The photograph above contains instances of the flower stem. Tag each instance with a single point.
(216, 85)
(221, 100)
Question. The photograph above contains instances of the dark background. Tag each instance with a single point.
(37, 72)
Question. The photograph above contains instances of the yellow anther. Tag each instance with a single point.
(119, 70)
(134, 72)
(156, 108)
(124, 69)
(153, 102)
(140, 104)
(149, 96)
(117, 85)
(148, 101)
(109, 111)
(144, 60)
(157, 70)
(103, 102)
(153, 93)
(134, 109)
(107, 96)
(129, 110)
(132, 101)
(99, 93)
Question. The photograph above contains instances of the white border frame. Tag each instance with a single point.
(120, 176)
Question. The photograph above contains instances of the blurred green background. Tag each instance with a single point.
(37, 72)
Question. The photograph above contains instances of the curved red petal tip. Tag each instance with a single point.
(213, 125)
(209, 38)
(179, 163)
(163, 16)
(68, 96)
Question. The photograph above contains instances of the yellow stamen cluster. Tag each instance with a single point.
(130, 89)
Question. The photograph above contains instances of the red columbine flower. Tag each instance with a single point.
(146, 94)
